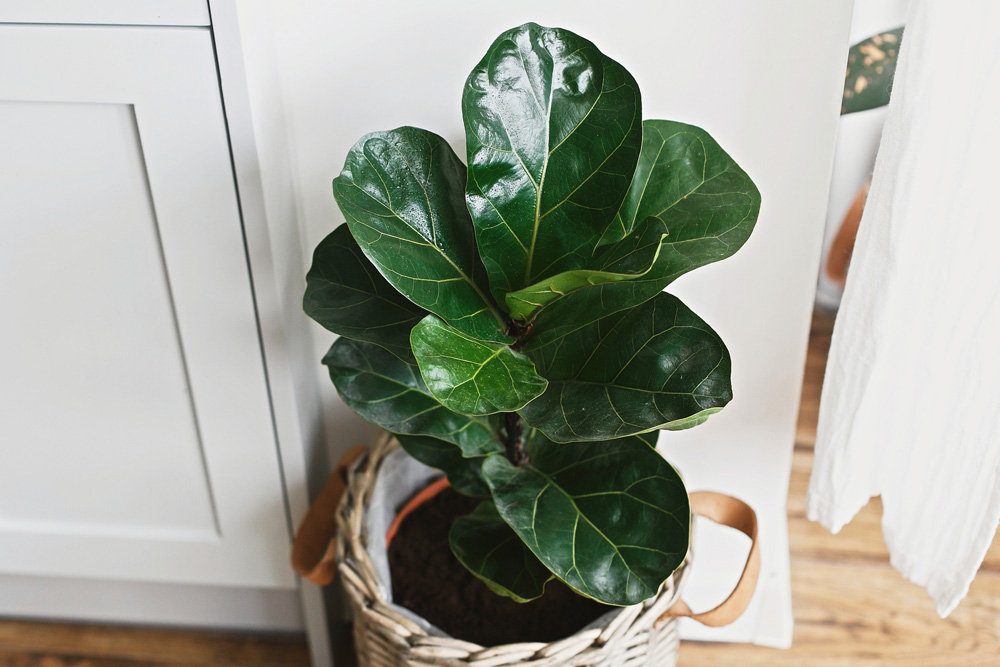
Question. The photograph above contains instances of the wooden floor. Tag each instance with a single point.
(56, 645)
(851, 607)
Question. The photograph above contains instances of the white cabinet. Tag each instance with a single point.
(137, 442)
(134, 416)
(106, 12)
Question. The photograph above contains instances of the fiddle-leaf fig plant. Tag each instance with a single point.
(507, 320)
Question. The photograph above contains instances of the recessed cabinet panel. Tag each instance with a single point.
(136, 439)
(94, 393)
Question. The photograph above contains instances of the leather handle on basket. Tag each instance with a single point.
(725, 511)
(314, 553)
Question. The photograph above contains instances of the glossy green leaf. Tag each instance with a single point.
(491, 550)
(630, 260)
(655, 366)
(402, 192)
(689, 205)
(464, 474)
(553, 130)
(611, 519)
(389, 392)
(348, 296)
(471, 376)
(685, 179)
(871, 65)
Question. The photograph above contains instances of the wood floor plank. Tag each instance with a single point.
(22, 659)
(153, 646)
(858, 614)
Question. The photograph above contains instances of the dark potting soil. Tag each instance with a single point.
(429, 580)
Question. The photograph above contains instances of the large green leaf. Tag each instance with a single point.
(611, 519)
(348, 296)
(696, 206)
(470, 376)
(389, 392)
(491, 550)
(871, 66)
(464, 474)
(553, 133)
(402, 192)
(655, 366)
(632, 260)
(685, 179)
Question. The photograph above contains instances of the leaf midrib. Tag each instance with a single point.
(539, 188)
(657, 392)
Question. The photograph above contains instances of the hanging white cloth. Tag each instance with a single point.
(911, 402)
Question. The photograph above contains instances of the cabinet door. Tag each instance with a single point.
(136, 441)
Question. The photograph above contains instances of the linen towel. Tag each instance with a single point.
(910, 408)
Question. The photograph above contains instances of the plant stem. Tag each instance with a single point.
(514, 428)
(513, 424)
(518, 332)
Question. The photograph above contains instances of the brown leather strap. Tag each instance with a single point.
(726, 511)
(313, 551)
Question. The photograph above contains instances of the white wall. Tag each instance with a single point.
(763, 76)
(858, 138)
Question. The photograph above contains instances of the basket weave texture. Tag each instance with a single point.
(385, 638)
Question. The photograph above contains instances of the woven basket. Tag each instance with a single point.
(642, 635)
